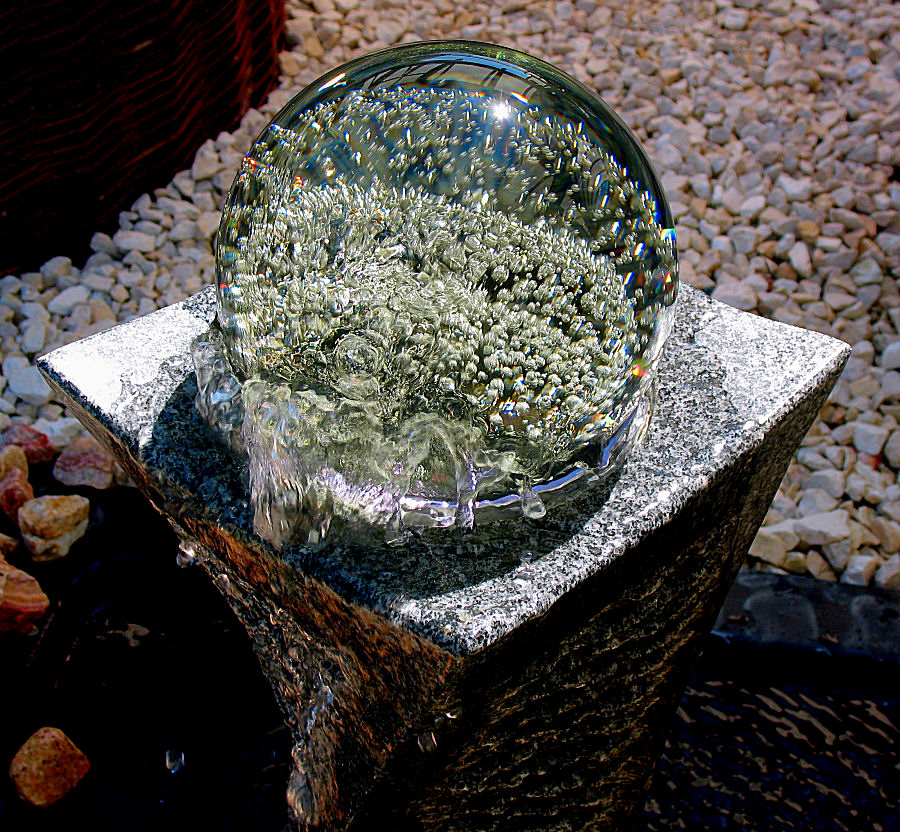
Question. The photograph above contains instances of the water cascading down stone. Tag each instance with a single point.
(445, 275)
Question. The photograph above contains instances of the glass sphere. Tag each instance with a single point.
(445, 275)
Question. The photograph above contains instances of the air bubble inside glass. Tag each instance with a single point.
(445, 275)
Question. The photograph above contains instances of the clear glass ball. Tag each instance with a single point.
(445, 275)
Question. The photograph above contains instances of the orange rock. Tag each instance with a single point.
(37, 445)
(84, 462)
(50, 525)
(12, 456)
(15, 491)
(22, 601)
(7, 546)
(47, 767)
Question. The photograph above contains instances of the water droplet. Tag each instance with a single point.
(174, 760)
(188, 552)
(427, 742)
(532, 505)
(185, 559)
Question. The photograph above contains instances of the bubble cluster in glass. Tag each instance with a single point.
(445, 272)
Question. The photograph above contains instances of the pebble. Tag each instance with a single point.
(50, 525)
(861, 568)
(825, 527)
(890, 358)
(736, 19)
(796, 190)
(887, 576)
(84, 462)
(28, 384)
(829, 479)
(47, 767)
(22, 601)
(892, 450)
(68, 299)
(8, 545)
(769, 546)
(60, 432)
(800, 260)
(15, 491)
(36, 445)
(737, 294)
(34, 337)
(815, 501)
(818, 567)
(134, 240)
(869, 439)
(778, 161)
(12, 457)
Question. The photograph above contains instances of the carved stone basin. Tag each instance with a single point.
(515, 677)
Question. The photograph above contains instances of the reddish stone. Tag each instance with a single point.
(37, 445)
(47, 767)
(8, 545)
(22, 601)
(15, 491)
(84, 462)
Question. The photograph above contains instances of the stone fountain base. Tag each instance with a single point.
(521, 677)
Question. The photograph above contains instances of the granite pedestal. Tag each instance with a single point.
(521, 677)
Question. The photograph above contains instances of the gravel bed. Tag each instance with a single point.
(776, 128)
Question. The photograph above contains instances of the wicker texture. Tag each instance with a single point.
(108, 100)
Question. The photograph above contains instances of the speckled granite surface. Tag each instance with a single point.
(558, 647)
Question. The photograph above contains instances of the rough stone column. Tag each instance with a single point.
(522, 677)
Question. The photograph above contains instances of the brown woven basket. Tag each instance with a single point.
(106, 100)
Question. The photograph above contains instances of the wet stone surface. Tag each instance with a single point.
(380, 655)
(720, 392)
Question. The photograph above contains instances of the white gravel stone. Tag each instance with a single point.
(103, 242)
(866, 271)
(868, 438)
(752, 207)
(28, 384)
(892, 450)
(796, 190)
(389, 31)
(183, 230)
(887, 576)
(736, 294)
(56, 267)
(815, 501)
(61, 431)
(861, 568)
(890, 358)
(736, 19)
(818, 529)
(134, 241)
(68, 299)
(829, 480)
(800, 260)
(34, 337)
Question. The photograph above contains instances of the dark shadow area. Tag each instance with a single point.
(106, 101)
(774, 738)
(139, 659)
